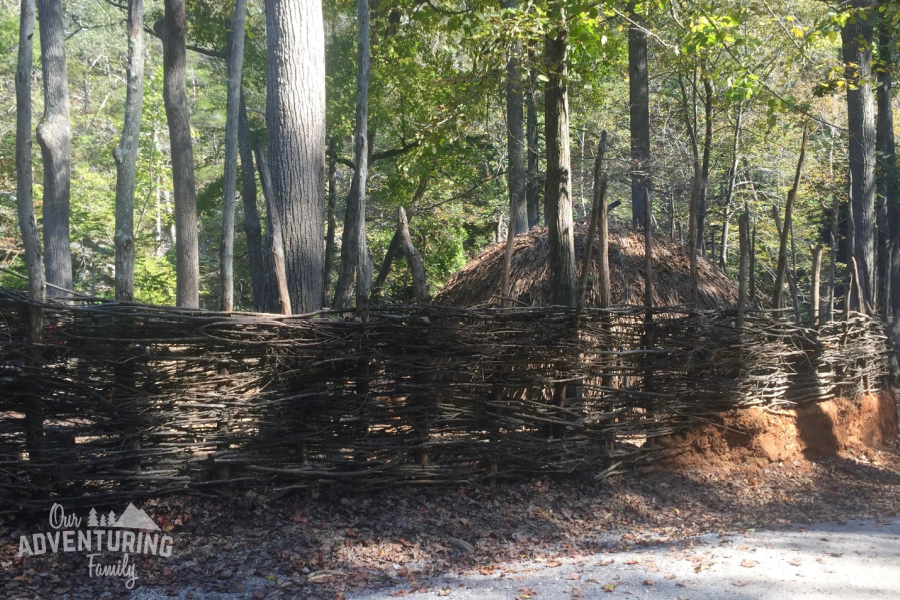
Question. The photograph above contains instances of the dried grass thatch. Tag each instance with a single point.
(478, 283)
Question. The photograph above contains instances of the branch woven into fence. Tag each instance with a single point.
(143, 400)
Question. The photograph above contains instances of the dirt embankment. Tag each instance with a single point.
(754, 437)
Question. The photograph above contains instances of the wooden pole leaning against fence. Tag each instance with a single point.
(744, 236)
(413, 259)
(277, 248)
(781, 270)
(598, 213)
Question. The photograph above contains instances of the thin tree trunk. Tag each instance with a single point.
(857, 37)
(394, 247)
(126, 154)
(54, 136)
(275, 235)
(534, 189)
(413, 259)
(295, 115)
(693, 237)
(330, 224)
(558, 198)
(639, 101)
(353, 242)
(703, 203)
(814, 303)
(187, 256)
(648, 254)
(261, 280)
(729, 193)
(232, 116)
(781, 269)
(744, 237)
(515, 138)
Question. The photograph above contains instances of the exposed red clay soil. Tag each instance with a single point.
(753, 438)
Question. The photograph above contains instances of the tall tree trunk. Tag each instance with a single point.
(639, 100)
(515, 137)
(857, 37)
(54, 136)
(187, 257)
(890, 185)
(232, 116)
(295, 114)
(330, 224)
(31, 237)
(353, 242)
(558, 198)
(261, 282)
(533, 192)
(413, 258)
(126, 154)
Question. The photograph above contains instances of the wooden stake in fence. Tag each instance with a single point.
(744, 237)
(276, 249)
(786, 229)
(413, 259)
(814, 303)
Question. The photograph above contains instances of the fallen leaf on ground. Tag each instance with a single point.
(749, 563)
(740, 583)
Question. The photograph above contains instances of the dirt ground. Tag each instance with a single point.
(749, 470)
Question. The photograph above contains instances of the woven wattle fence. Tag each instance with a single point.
(143, 400)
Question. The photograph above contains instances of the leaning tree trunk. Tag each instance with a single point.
(54, 136)
(558, 199)
(891, 186)
(353, 242)
(639, 97)
(857, 38)
(126, 154)
(515, 137)
(31, 237)
(232, 116)
(295, 115)
(187, 257)
(533, 192)
(261, 281)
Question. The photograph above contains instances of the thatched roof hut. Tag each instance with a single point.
(478, 283)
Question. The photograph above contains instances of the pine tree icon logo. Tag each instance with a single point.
(102, 520)
(92, 518)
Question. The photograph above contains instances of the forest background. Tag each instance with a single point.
(732, 84)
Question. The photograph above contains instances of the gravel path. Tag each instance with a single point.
(859, 559)
(856, 560)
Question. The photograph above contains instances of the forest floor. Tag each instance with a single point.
(405, 541)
